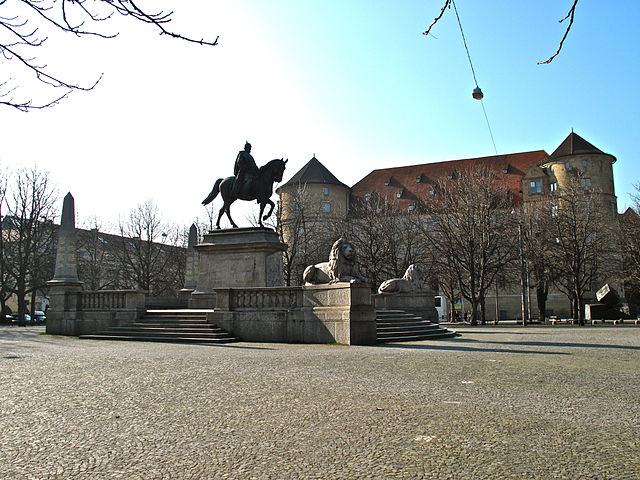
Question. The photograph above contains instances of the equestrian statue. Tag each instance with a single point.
(248, 183)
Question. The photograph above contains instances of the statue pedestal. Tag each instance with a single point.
(237, 258)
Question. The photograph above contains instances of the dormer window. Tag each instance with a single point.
(432, 191)
(367, 197)
(450, 176)
(551, 168)
(418, 178)
(411, 208)
(399, 194)
(505, 170)
(387, 183)
(535, 187)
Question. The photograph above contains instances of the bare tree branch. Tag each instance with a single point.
(570, 15)
(25, 31)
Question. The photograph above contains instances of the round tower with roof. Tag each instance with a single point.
(315, 193)
(594, 166)
(574, 156)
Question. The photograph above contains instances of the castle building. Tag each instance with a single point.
(528, 175)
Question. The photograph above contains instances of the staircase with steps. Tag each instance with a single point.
(401, 326)
(180, 326)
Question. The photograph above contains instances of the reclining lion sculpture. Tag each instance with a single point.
(341, 267)
(412, 281)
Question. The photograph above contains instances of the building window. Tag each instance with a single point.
(326, 207)
(367, 197)
(325, 190)
(431, 191)
(584, 163)
(554, 213)
(566, 165)
(411, 207)
(399, 194)
(551, 168)
(585, 182)
(553, 187)
(535, 187)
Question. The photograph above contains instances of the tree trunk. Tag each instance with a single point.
(474, 312)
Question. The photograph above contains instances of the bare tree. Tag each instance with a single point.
(570, 16)
(306, 232)
(629, 238)
(538, 245)
(582, 237)
(26, 25)
(29, 243)
(387, 239)
(150, 255)
(473, 232)
(96, 257)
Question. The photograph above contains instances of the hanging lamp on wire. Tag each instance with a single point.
(477, 92)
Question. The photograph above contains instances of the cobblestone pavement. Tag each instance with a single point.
(496, 403)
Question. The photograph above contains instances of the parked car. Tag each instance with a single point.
(14, 319)
(39, 317)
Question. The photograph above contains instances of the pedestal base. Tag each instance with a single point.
(239, 258)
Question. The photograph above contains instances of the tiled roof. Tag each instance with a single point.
(313, 172)
(574, 144)
(415, 182)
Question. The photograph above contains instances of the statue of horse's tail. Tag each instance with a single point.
(213, 194)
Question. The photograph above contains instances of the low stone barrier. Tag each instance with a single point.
(338, 313)
(75, 312)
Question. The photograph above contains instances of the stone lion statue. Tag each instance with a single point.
(412, 281)
(341, 267)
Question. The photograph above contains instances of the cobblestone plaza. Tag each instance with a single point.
(496, 403)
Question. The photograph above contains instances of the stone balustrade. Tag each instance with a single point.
(266, 297)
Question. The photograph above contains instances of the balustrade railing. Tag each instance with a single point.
(104, 299)
(269, 297)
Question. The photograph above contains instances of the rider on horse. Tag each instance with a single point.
(245, 171)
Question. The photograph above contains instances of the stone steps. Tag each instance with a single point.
(401, 326)
(180, 326)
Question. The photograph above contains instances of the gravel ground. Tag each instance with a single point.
(495, 403)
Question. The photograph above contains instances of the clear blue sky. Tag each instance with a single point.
(354, 82)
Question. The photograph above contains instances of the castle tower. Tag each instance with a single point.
(314, 192)
(574, 155)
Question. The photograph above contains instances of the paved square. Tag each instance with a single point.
(496, 403)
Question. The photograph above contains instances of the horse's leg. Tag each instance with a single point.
(271, 205)
(229, 215)
(260, 215)
(220, 216)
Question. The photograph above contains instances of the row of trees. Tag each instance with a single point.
(470, 236)
(146, 254)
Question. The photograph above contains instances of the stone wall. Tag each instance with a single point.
(339, 313)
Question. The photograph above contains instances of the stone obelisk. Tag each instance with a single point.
(65, 287)
(191, 267)
(66, 256)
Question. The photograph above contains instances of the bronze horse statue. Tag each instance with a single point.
(259, 189)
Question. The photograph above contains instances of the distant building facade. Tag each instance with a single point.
(528, 175)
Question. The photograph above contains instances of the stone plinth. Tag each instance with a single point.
(239, 258)
(336, 313)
